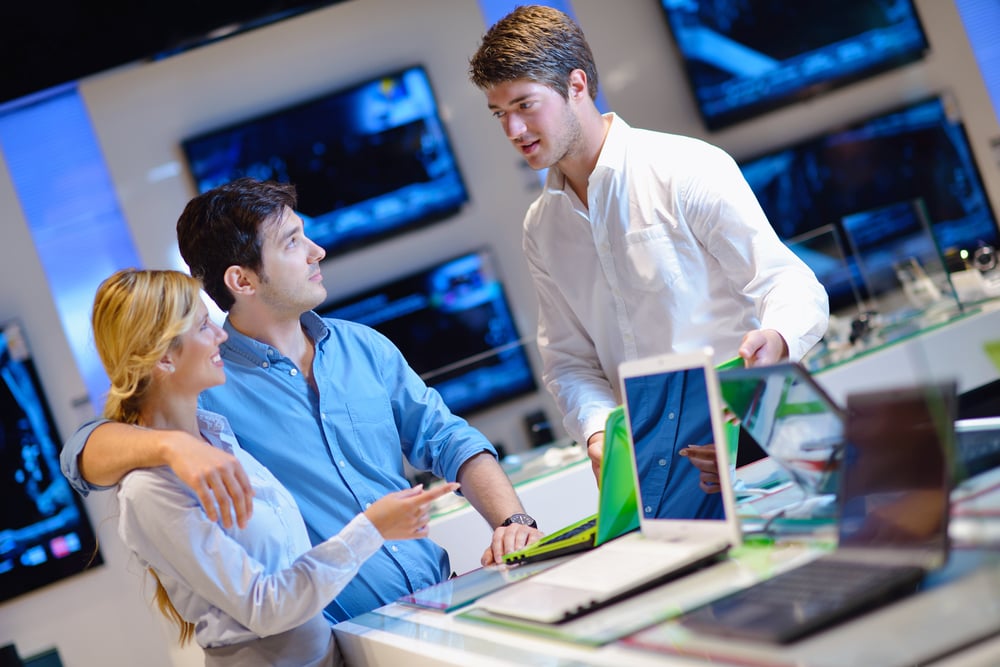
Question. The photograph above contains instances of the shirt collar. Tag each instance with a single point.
(216, 428)
(251, 350)
(612, 154)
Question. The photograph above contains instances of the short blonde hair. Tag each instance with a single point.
(138, 316)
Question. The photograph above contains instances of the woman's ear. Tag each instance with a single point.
(166, 365)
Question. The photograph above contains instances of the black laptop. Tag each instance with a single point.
(893, 502)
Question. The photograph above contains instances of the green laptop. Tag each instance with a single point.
(617, 512)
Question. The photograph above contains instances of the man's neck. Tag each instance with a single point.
(578, 167)
(283, 333)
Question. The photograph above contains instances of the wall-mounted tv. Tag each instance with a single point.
(453, 324)
(369, 161)
(746, 57)
(45, 534)
(917, 152)
(59, 41)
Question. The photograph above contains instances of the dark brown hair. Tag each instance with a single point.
(222, 228)
(536, 43)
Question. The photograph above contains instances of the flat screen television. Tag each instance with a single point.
(453, 324)
(916, 152)
(369, 161)
(58, 41)
(743, 58)
(45, 534)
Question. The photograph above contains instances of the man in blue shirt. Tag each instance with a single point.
(330, 407)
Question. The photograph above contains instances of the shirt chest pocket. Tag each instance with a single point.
(650, 259)
(375, 430)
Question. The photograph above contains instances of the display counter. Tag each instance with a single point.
(953, 621)
(961, 345)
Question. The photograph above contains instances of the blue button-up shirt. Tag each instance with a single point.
(341, 448)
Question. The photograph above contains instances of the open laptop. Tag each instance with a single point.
(616, 508)
(893, 525)
(669, 400)
(791, 418)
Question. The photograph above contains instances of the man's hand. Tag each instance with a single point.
(762, 347)
(595, 450)
(215, 476)
(703, 458)
(509, 538)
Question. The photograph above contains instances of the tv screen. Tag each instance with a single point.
(453, 324)
(369, 161)
(45, 534)
(917, 152)
(59, 41)
(743, 58)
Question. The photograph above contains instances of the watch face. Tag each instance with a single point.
(522, 519)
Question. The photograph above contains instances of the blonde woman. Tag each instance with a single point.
(248, 596)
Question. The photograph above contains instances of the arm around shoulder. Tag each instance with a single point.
(100, 454)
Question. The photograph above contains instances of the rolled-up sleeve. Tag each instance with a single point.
(69, 458)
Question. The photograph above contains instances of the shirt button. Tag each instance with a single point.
(395, 548)
(265, 365)
(342, 464)
(367, 505)
(662, 462)
(647, 509)
(293, 372)
(670, 416)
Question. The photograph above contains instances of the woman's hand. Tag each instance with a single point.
(404, 515)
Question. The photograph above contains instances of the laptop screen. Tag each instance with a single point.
(668, 407)
(894, 491)
(791, 418)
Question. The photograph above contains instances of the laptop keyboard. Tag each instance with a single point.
(806, 598)
(572, 533)
(979, 449)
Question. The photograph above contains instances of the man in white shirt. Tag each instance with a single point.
(641, 243)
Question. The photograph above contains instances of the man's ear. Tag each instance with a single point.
(577, 85)
(240, 281)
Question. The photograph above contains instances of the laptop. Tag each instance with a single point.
(893, 526)
(616, 508)
(616, 515)
(670, 401)
(791, 418)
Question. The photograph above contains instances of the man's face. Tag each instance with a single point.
(537, 120)
(290, 277)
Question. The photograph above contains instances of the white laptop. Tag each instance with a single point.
(668, 399)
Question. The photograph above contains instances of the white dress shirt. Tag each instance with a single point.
(671, 253)
(234, 584)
